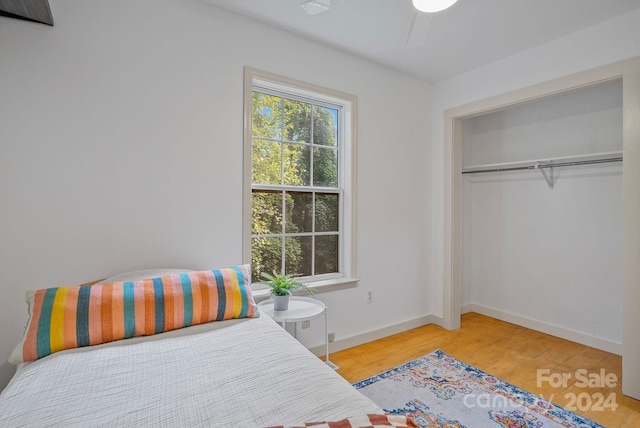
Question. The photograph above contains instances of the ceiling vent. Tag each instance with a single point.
(313, 7)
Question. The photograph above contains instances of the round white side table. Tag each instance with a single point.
(300, 309)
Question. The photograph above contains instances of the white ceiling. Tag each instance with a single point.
(470, 34)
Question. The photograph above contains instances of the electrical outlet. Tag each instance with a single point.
(306, 324)
(332, 337)
(370, 296)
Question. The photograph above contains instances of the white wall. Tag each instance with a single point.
(548, 255)
(602, 44)
(121, 149)
(585, 121)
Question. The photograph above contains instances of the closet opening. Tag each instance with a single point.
(601, 332)
(541, 207)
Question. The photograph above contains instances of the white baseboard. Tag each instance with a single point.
(561, 332)
(371, 335)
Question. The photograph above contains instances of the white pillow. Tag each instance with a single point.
(142, 274)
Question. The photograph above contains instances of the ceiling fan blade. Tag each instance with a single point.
(418, 29)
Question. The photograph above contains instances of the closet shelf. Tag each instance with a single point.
(549, 163)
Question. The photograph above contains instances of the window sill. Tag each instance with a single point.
(318, 287)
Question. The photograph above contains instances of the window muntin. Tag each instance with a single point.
(297, 194)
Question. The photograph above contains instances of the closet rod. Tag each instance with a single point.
(539, 165)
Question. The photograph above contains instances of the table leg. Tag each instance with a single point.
(326, 338)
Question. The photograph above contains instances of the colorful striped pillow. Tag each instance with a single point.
(72, 317)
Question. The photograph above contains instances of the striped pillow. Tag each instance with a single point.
(73, 317)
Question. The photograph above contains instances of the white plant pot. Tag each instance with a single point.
(281, 303)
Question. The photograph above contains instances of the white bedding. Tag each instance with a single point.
(237, 373)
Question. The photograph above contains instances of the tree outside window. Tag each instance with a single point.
(296, 194)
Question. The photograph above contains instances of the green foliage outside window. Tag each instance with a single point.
(294, 144)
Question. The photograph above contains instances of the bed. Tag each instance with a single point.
(244, 372)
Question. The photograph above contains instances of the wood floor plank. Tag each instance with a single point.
(510, 352)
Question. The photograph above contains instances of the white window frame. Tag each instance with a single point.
(254, 78)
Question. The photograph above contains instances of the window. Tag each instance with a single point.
(298, 152)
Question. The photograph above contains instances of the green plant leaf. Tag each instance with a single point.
(282, 284)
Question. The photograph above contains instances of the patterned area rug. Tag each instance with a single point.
(439, 391)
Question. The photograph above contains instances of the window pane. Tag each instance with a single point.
(266, 212)
(326, 254)
(325, 167)
(295, 154)
(297, 121)
(298, 255)
(267, 116)
(266, 256)
(299, 212)
(325, 126)
(297, 159)
(326, 212)
(265, 162)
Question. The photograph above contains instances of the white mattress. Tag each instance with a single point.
(238, 373)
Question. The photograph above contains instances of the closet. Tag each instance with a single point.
(541, 211)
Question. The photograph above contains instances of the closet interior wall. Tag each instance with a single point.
(551, 256)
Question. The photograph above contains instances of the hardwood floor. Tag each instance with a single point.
(514, 354)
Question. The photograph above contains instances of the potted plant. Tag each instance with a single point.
(281, 288)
